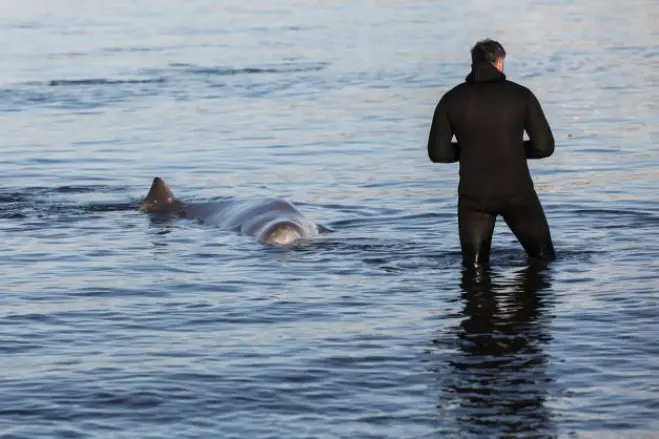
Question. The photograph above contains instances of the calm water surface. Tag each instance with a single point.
(117, 325)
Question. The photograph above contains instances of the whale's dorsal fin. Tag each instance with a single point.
(160, 198)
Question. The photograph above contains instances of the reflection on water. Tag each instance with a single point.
(498, 379)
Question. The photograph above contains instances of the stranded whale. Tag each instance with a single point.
(271, 221)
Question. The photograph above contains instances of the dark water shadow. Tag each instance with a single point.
(178, 81)
(102, 81)
(494, 382)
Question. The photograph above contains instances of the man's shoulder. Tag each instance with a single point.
(455, 91)
(457, 88)
(517, 87)
(505, 82)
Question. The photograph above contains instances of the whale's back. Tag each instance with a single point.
(272, 221)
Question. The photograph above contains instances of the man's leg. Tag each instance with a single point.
(476, 226)
(526, 219)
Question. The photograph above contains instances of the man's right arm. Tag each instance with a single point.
(440, 147)
(541, 139)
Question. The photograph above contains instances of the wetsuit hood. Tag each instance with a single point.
(484, 72)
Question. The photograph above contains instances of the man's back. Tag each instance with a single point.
(488, 115)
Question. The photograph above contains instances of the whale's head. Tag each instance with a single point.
(160, 199)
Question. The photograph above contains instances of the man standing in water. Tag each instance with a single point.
(488, 116)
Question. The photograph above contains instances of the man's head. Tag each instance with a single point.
(488, 51)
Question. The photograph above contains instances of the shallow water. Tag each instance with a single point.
(115, 324)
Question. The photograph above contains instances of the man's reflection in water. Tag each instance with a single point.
(498, 380)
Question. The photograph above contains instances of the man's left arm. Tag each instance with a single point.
(541, 140)
(440, 147)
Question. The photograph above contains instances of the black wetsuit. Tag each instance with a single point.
(488, 116)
